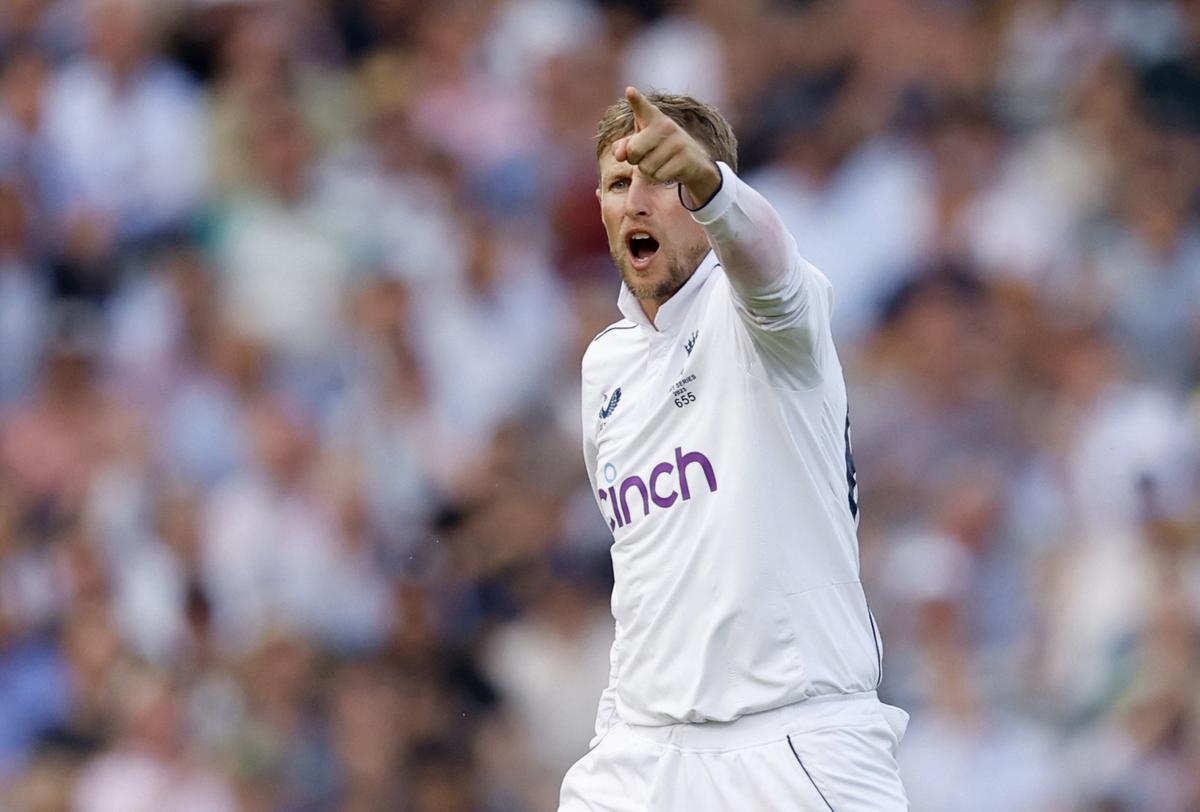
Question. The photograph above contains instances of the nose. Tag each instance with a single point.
(638, 199)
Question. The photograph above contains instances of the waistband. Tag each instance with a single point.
(817, 712)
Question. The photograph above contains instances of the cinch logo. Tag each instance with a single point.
(617, 496)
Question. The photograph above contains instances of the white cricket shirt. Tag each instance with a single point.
(717, 444)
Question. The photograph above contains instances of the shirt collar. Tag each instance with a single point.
(671, 313)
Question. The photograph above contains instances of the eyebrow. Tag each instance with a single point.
(617, 171)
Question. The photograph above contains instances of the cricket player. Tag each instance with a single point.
(717, 441)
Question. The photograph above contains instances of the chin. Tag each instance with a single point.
(660, 281)
(661, 290)
(642, 286)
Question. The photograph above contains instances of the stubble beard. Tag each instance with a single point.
(680, 267)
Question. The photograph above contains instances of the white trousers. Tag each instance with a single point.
(828, 754)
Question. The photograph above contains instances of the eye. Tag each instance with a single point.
(618, 184)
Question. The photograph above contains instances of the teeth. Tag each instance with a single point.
(641, 236)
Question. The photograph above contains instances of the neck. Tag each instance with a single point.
(650, 306)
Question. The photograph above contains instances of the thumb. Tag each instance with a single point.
(643, 110)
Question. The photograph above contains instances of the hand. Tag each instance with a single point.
(665, 152)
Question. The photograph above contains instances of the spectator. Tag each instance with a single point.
(387, 190)
(493, 342)
(260, 56)
(272, 550)
(127, 128)
(149, 766)
(546, 665)
(284, 271)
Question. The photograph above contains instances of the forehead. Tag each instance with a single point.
(608, 165)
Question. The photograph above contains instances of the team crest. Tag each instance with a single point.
(606, 411)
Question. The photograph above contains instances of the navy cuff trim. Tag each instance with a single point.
(712, 197)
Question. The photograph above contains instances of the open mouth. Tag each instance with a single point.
(642, 248)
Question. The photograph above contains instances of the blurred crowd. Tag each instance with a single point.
(293, 295)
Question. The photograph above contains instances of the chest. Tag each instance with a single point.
(657, 390)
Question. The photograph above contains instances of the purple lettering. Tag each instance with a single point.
(616, 497)
(612, 493)
(612, 523)
(682, 461)
(634, 482)
(659, 470)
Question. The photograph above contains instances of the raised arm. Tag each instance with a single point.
(754, 248)
(784, 302)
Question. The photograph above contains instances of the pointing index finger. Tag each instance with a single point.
(643, 110)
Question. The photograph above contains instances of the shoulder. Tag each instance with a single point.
(610, 338)
(607, 344)
(615, 327)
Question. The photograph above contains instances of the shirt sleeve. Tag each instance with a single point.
(782, 300)
(587, 424)
(606, 712)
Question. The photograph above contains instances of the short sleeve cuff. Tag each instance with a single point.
(712, 209)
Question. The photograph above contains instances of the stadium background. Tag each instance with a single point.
(292, 299)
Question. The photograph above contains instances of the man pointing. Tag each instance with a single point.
(717, 442)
